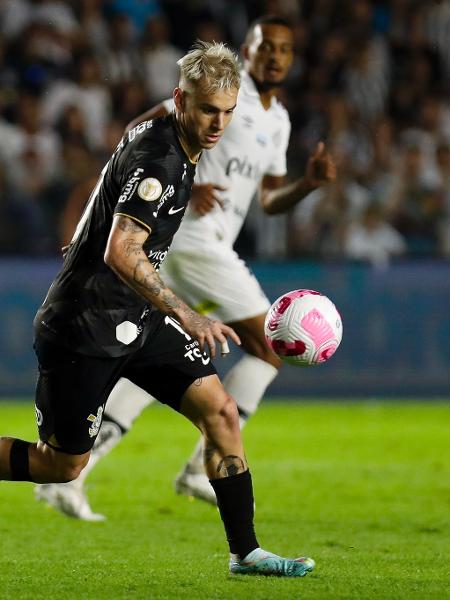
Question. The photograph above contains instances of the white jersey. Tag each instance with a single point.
(253, 145)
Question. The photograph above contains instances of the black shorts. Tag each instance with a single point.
(72, 388)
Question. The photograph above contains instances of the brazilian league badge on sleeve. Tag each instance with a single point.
(150, 189)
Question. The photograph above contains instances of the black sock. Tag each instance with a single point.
(235, 502)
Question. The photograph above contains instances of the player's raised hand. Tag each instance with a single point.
(208, 331)
(205, 197)
(320, 168)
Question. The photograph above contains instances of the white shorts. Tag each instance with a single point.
(219, 285)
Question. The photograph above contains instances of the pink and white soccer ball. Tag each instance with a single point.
(303, 327)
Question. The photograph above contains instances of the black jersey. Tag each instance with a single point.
(88, 308)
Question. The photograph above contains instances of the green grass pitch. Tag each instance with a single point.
(361, 487)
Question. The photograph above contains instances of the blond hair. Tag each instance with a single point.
(213, 65)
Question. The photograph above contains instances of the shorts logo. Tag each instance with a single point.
(149, 189)
(96, 422)
(39, 416)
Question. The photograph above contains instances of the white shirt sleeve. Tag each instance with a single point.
(278, 166)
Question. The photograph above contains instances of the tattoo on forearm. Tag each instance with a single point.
(149, 280)
(230, 465)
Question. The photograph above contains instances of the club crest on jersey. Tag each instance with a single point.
(96, 422)
(149, 189)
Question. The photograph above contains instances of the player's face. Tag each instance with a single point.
(269, 54)
(207, 115)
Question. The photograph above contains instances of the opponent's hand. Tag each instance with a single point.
(204, 197)
(320, 168)
(207, 331)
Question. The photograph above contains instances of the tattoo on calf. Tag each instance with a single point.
(230, 465)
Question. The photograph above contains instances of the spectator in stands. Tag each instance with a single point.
(414, 205)
(119, 59)
(159, 58)
(89, 93)
(372, 239)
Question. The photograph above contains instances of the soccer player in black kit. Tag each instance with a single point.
(108, 314)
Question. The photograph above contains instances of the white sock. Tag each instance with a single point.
(108, 437)
(246, 382)
(124, 405)
(126, 402)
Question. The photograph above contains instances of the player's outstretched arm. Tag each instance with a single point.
(277, 198)
(126, 257)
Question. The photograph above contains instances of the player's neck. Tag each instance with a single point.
(266, 92)
(192, 152)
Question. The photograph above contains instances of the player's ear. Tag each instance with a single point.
(244, 51)
(179, 99)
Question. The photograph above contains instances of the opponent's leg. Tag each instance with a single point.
(124, 405)
(246, 381)
(214, 412)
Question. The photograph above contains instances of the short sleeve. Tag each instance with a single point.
(144, 184)
(280, 141)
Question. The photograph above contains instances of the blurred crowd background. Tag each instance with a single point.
(370, 78)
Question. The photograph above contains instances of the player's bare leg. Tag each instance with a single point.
(246, 381)
(124, 405)
(214, 412)
(25, 461)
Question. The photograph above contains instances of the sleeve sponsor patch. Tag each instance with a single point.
(149, 189)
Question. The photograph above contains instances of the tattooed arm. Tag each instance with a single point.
(126, 257)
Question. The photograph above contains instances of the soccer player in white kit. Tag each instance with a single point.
(202, 266)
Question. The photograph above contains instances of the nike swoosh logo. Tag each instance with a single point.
(173, 210)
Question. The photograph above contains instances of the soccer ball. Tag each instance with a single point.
(303, 327)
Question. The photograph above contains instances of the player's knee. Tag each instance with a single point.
(66, 473)
(67, 468)
(228, 413)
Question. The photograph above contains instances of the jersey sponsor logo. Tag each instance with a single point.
(150, 189)
(173, 210)
(244, 168)
(131, 185)
(168, 193)
(96, 421)
(139, 129)
(156, 257)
